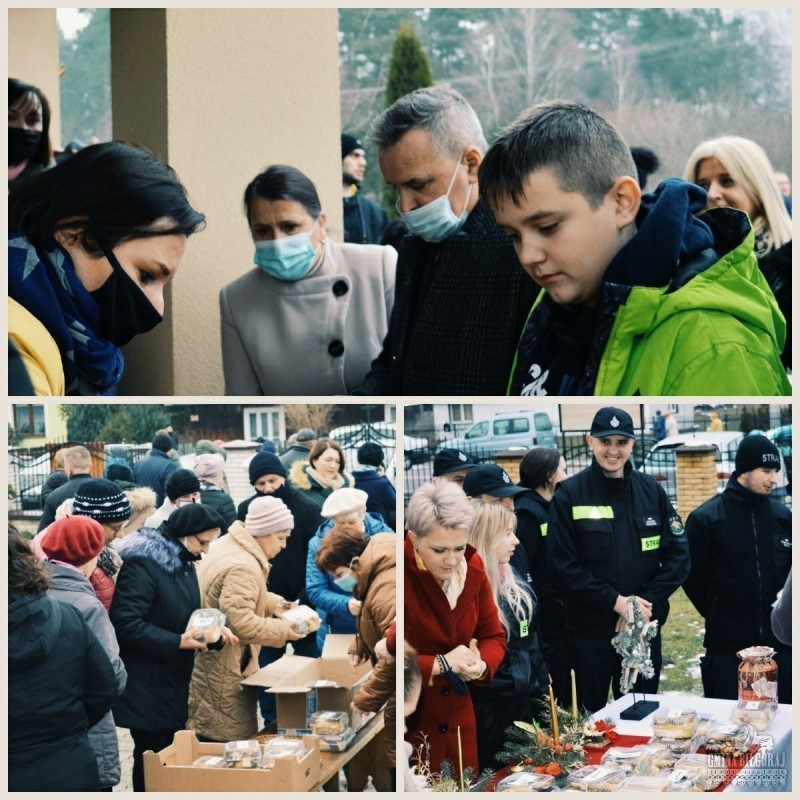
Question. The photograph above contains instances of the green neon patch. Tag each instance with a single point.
(543, 529)
(523, 628)
(592, 512)
(651, 543)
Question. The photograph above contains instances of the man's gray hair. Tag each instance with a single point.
(448, 118)
(439, 505)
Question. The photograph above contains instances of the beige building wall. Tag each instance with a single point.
(33, 56)
(221, 94)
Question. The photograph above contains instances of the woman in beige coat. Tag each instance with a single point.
(233, 578)
(311, 316)
(370, 565)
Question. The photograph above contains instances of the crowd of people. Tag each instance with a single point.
(509, 588)
(536, 265)
(100, 601)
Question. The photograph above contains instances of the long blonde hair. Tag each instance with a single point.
(748, 165)
(492, 521)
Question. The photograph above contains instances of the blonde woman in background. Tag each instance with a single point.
(736, 172)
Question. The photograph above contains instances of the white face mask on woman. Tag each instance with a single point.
(436, 221)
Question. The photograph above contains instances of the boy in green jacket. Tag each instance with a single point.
(640, 296)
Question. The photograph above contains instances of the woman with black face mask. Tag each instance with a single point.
(92, 244)
(29, 148)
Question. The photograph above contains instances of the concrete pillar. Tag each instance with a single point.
(696, 476)
(33, 57)
(220, 94)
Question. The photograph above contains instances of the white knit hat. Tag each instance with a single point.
(344, 501)
(267, 515)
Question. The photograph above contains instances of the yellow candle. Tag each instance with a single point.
(574, 697)
(460, 762)
(553, 715)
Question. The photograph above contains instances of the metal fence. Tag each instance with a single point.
(28, 469)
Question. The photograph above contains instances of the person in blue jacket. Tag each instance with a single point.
(346, 509)
(370, 478)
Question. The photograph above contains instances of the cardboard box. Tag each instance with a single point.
(291, 679)
(171, 770)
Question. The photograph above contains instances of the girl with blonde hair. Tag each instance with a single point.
(522, 676)
(736, 172)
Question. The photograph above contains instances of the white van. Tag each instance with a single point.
(514, 430)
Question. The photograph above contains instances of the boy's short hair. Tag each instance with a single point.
(585, 152)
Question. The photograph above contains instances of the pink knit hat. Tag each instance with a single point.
(267, 515)
(209, 465)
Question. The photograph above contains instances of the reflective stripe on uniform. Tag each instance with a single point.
(543, 529)
(651, 543)
(592, 512)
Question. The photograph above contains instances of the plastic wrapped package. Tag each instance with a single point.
(679, 747)
(758, 713)
(645, 783)
(281, 747)
(727, 739)
(593, 778)
(304, 619)
(206, 625)
(629, 759)
(526, 782)
(675, 723)
(707, 767)
(329, 723)
(245, 754)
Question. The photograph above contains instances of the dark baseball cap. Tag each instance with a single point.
(450, 460)
(490, 479)
(611, 421)
(305, 435)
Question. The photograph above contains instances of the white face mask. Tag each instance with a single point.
(436, 221)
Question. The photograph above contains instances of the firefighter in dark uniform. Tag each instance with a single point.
(612, 533)
(741, 548)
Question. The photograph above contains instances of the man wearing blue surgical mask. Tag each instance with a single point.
(461, 299)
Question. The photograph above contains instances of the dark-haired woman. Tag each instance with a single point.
(92, 244)
(540, 471)
(60, 684)
(323, 473)
(29, 148)
(312, 315)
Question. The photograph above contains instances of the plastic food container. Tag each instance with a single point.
(680, 747)
(329, 723)
(757, 713)
(526, 782)
(303, 618)
(675, 723)
(728, 739)
(593, 778)
(707, 768)
(281, 748)
(210, 762)
(245, 754)
(645, 783)
(206, 625)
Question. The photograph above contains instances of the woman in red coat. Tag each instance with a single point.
(452, 621)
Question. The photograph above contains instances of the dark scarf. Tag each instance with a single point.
(48, 287)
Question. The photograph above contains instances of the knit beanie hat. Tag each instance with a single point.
(350, 143)
(189, 520)
(267, 515)
(73, 540)
(207, 446)
(268, 446)
(162, 442)
(181, 482)
(265, 464)
(101, 499)
(209, 465)
(344, 501)
(119, 472)
(757, 451)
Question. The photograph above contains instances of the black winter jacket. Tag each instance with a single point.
(288, 574)
(364, 220)
(777, 269)
(55, 479)
(613, 536)
(154, 471)
(220, 501)
(156, 593)
(459, 309)
(741, 548)
(60, 683)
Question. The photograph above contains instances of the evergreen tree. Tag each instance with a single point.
(409, 69)
(84, 422)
